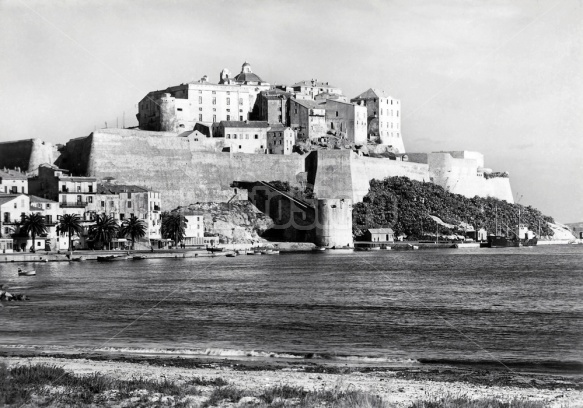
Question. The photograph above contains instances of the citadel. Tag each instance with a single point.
(202, 141)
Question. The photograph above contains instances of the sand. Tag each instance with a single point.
(400, 386)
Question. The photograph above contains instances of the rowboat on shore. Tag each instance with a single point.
(26, 273)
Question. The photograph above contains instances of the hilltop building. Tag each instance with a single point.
(384, 118)
(313, 88)
(272, 106)
(280, 139)
(181, 107)
(307, 118)
(243, 137)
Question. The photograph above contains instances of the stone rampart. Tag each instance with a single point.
(165, 163)
(27, 154)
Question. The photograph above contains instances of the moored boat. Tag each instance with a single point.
(26, 273)
(139, 257)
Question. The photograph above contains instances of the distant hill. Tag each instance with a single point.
(405, 205)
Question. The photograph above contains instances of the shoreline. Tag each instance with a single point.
(400, 385)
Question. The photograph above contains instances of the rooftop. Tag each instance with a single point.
(5, 198)
(37, 199)
(381, 230)
(373, 93)
(110, 188)
(12, 174)
(244, 124)
(313, 83)
(308, 103)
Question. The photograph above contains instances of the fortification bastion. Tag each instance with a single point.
(176, 167)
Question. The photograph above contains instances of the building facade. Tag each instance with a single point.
(384, 117)
(13, 182)
(307, 118)
(180, 107)
(346, 120)
(243, 137)
(280, 139)
(313, 87)
(272, 106)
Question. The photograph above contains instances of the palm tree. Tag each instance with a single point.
(173, 226)
(33, 224)
(134, 227)
(72, 224)
(104, 229)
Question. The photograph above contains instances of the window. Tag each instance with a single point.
(234, 136)
(256, 136)
(121, 216)
(89, 199)
(228, 135)
(228, 117)
(48, 206)
(246, 136)
(200, 117)
(397, 113)
(239, 146)
(241, 118)
(78, 198)
(179, 109)
(214, 118)
(91, 188)
(214, 92)
(214, 101)
(228, 101)
(200, 99)
(78, 189)
(102, 204)
(336, 113)
(240, 101)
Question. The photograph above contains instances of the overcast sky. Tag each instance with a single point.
(500, 77)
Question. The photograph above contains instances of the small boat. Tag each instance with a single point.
(231, 255)
(139, 257)
(78, 259)
(253, 253)
(26, 273)
(107, 258)
(215, 249)
(319, 249)
(340, 250)
(412, 247)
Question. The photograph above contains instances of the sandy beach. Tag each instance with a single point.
(397, 386)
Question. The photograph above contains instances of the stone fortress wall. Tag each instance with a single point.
(176, 167)
(26, 154)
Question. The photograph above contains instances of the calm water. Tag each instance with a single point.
(518, 305)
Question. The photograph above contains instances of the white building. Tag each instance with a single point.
(13, 182)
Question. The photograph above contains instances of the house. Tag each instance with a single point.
(280, 139)
(244, 137)
(194, 231)
(314, 87)
(73, 193)
(13, 181)
(12, 208)
(347, 121)
(379, 235)
(272, 106)
(307, 118)
(384, 117)
(54, 239)
(121, 201)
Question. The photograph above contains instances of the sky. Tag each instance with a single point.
(504, 78)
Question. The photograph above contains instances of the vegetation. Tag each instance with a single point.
(50, 385)
(173, 226)
(71, 223)
(33, 224)
(134, 228)
(295, 192)
(103, 231)
(405, 205)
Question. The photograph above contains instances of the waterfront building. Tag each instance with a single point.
(12, 208)
(13, 181)
(379, 235)
(73, 193)
(54, 239)
(122, 201)
(180, 107)
(243, 136)
(384, 118)
(280, 139)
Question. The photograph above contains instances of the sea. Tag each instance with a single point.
(511, 307)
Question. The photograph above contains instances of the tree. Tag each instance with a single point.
(71, 223)
(104, 229)
(173, 226)
(33, 224)
(134, 227)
